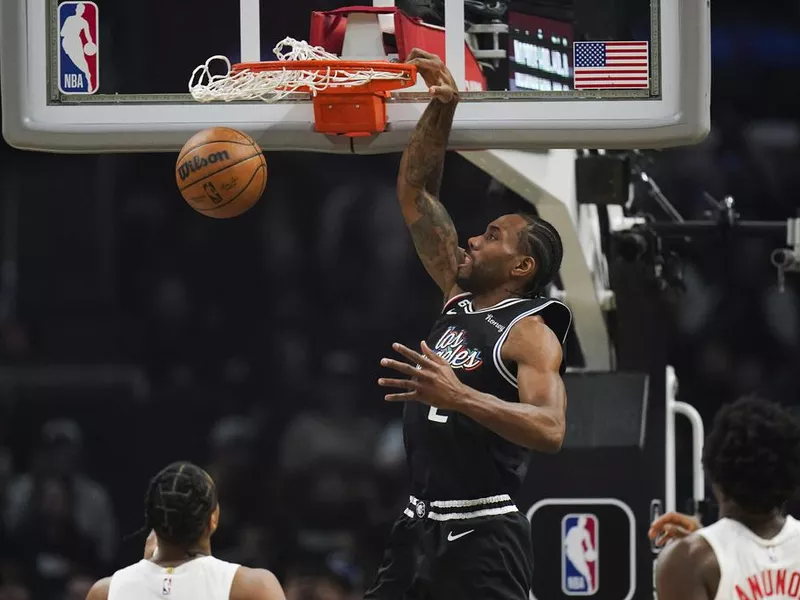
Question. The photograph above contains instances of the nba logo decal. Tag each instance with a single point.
(78, 53)
(579, 559)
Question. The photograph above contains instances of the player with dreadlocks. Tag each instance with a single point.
(752, 457)
(481, 393)
(182, 513)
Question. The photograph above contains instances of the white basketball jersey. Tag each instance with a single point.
(751, 567)
(205, 578)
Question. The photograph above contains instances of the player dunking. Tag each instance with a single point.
(181, 510)
(752, 457)
(483, 391)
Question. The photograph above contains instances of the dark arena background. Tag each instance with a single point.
(135, 331)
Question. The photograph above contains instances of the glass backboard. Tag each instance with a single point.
(113, 76)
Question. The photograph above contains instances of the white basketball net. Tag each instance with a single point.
(271, 86)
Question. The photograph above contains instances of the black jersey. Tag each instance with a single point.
(450, 456)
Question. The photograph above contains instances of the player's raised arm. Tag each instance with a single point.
(420, 175)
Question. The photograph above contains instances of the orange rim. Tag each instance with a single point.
(409, 73)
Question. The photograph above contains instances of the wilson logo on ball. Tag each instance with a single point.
(198, 163)
(228, 175)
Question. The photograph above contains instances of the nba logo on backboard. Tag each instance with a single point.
(579, 559)
(78, 55)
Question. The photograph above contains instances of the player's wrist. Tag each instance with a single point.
(452, 98)
(466, 400)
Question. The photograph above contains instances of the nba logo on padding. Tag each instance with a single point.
(579, 558)
(79, 49)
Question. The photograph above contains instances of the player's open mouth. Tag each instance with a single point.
(466, 259)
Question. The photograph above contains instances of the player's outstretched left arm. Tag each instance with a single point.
(537, 421)
(687, 570)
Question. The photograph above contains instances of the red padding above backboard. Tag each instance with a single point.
(328, 30)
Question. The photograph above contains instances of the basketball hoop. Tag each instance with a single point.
(349, 96)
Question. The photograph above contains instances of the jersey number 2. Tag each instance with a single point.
(435, 416)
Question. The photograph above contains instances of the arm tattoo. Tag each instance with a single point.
(419, 181)
(435, 239)
(423, 159)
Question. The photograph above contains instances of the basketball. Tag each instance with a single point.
(221, 172)
(90, 49)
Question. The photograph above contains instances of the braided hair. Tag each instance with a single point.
(540, 240)
(179, 503)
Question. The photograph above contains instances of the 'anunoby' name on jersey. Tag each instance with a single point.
(752, 568)
(450, 456)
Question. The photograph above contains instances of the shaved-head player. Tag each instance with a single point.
(182, 511)
(482, 392)
(752, 457)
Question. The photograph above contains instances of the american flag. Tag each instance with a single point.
(612, 65)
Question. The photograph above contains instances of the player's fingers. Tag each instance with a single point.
(414, 357)
(404, 397)
(426, 350)
(671, 532)
(429, 68)
(401, 367)
(665, 519)
(404, 384)
(673, 518)
(430, 62)
(417, 53)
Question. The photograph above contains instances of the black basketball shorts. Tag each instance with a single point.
(449, 551)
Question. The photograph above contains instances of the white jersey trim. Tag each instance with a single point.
(719, 554)
(498, 347)
(471, 311)
(502, 304)
(450, 302)
(484, 506)
(486, 512)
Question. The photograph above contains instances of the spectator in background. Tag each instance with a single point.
(327, 473)
(13, 591)
(331, 577)
(232, 466)
(15, 343)
(362, 229)
(391, 475)
(59, 457)
(6, 469)
(337, 431)
(47, 547)
(78, 587)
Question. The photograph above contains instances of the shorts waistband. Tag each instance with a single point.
(448, 510)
